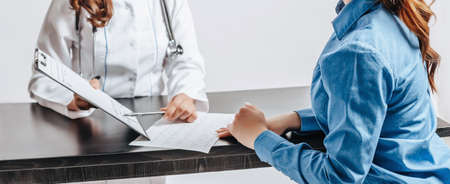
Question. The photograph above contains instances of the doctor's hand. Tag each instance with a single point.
(181, 107)
(78, 103)
(248, 124)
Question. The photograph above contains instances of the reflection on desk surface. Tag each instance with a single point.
(29, 131)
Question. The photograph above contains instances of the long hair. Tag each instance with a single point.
(416, 15)
(100, 11)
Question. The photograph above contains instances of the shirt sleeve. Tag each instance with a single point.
(359, 86)
(186, 73)
(55, 39)
(308, 121)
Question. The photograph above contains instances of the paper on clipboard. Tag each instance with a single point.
(63, 75)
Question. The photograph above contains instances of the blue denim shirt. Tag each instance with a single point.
(371, 98)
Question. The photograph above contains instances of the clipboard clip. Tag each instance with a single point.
(40, 58)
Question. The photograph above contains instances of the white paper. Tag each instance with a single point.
(197, 136)
(66, 77)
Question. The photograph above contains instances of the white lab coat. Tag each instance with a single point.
(129, 54)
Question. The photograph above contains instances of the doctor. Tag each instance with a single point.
(123, 46)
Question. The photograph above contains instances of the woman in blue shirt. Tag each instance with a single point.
(370, 96)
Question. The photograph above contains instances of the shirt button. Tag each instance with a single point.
(128, 7)
(133, 44)
(132, 78)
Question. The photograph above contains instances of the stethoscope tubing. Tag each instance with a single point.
(167, 21)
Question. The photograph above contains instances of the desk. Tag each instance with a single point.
(40, 146)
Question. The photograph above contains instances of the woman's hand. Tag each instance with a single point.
(278, 124)
(78, 103)
(181, 107)
(247, 125)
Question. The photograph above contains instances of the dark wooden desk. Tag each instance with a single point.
(40, 146)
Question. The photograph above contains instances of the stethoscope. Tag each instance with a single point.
(174, 49)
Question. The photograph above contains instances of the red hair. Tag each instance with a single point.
(101, 11)
(416, 15)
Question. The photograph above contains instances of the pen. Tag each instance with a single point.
(145, 113)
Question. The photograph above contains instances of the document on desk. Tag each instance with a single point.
(63, 75)
(197, 136)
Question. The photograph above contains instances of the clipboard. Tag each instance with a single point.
(64, 76)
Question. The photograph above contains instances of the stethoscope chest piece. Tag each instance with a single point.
(174, 49)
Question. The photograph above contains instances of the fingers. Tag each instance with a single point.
(73, 106)
(223, 132)
(189, 114)
(247, 110)
(180, 108)
(177, 113)
(169, 111)
(250, 106)
(81, 104)
(243, 111)
(95, 83)
(185, 115)
(192, 118)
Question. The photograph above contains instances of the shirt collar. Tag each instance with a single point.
(339, 6)
(349, 14)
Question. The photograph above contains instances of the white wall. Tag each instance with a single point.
(261, 43)
(440, 37)
(246, 46)
(19, 27)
